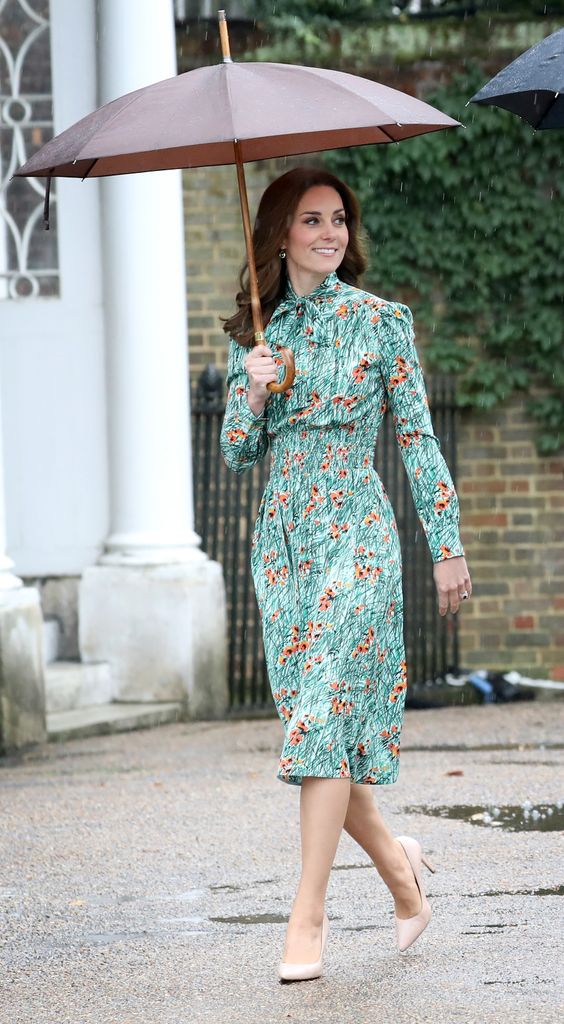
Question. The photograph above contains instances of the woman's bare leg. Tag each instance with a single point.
(366, 825)
(323, 806)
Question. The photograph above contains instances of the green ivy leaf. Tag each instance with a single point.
(472, 222)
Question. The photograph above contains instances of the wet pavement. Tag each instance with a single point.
(147, 878)
(519, 818)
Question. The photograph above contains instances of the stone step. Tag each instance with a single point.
(73, 684)
(110, 718)
(51, 639)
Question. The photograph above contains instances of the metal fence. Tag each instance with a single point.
(225, 508)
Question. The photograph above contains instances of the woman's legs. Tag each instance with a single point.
(323, 807)
(365, 824)
(326, 807)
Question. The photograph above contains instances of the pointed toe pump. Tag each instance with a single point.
(303, 972)
(409, 929)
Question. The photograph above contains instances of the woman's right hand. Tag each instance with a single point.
(261, 370)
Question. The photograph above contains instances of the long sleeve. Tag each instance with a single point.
(433, 491)
(243, 439)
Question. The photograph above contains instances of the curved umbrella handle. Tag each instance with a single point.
(288, 360)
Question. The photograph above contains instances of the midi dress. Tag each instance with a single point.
(325, 556)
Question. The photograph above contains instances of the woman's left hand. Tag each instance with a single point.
(452, 580)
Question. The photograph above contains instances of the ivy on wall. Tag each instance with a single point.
(346, 11)
(469, 222)
(351, 34)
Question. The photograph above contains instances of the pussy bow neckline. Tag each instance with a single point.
(318, 305)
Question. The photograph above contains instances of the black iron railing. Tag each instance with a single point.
(225, 508)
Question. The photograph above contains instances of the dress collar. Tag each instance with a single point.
(322, 300)
(327, 285)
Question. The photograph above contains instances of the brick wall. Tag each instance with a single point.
(512, 503)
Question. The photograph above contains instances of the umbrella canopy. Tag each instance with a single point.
(193, 120)
(531, 86)
(231, 114)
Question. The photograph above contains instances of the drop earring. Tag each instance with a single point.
(282, 254)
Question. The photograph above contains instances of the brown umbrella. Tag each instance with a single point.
(231, 114)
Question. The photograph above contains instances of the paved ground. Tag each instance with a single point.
(147, 878)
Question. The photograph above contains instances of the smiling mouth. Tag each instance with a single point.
(326, 252)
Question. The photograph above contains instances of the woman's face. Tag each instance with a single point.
(318, 235)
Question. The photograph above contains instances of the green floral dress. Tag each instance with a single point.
(326, 559)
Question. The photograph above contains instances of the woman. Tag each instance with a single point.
(326, 559)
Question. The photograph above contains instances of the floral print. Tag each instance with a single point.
(326, 559)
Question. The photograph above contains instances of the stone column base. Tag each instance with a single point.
(22, 685)
(163, 631)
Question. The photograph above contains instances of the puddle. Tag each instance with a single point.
(500, 925)
(555, 890)
(487, 929)
(365, 928)
(253, 919)
(522, 981)
(517, 981)
(229, 887)
(350, 867)
(525, 817)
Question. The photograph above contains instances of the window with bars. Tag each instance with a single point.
(28, 254)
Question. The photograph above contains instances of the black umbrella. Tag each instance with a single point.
(531, 86)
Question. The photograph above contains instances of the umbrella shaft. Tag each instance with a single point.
(253, 283)
(224, 37)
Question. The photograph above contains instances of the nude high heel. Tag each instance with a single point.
(409, 929)
(302, 972)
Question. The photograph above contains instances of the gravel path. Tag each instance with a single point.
(147, 878)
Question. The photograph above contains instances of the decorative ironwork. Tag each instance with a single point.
(28, 253)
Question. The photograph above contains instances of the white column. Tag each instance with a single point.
(145, 309)
(154, 609)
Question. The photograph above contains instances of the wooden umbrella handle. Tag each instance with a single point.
(288, 359)
(286, 353)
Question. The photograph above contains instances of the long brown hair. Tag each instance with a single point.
(274, 216)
